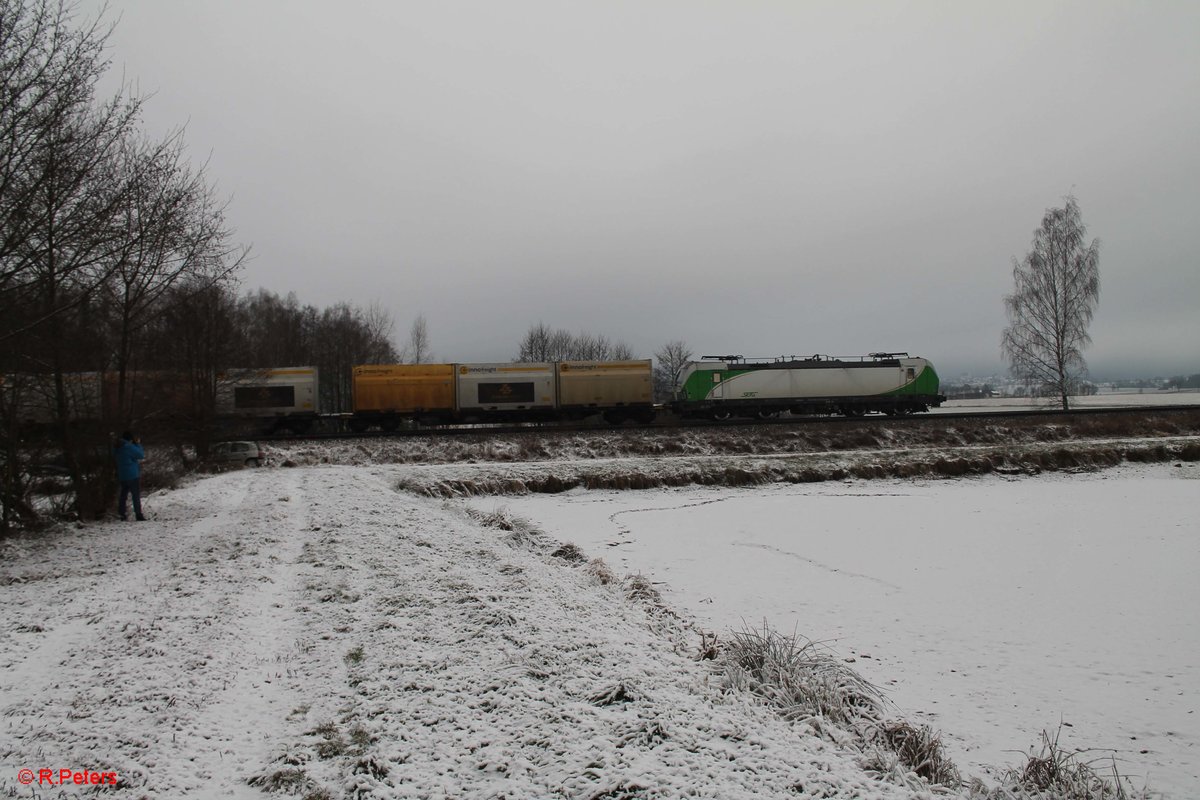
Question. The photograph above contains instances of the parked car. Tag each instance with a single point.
(248, 453)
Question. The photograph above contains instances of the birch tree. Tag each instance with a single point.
(1056, 290)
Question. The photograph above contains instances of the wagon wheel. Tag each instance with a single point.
(767, 414)
(722, 414)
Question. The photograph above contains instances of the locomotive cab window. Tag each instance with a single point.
(912, 373)
(716, 377)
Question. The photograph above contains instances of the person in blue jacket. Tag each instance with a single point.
(129, 454)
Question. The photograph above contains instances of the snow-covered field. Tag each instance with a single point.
(991, 608)
(312, 631)
(1126, 399)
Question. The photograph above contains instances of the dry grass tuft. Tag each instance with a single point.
(639, 588)
(520, 532)
(571, 553)
(1053, 773)
(710, 647)
(799, 677)
(284, 781)
(499, 519)
(332, 744)
(921, 751)
(599, 570)
(612, 695)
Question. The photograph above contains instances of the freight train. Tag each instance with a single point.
(388, 396)
(723, 387)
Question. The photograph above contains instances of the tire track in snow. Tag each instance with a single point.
(625, 530)
(240, 724)
(174, 639)
(818, 564)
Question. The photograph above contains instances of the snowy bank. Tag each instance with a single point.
(313, 631)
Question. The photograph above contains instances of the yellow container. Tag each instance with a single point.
(604, 384)
(404, 388)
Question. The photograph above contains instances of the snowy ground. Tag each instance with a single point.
(1125, 399)
(991, 608)
(312, 631)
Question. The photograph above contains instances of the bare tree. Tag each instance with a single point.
(621, 352)
(541, 343)
(670, 360)
(61, 186)
(348, 336)
(277, 331)
(198, 338)
(48, 74)
(418, 342)
(1057, 288)
(174, 230)
(377, 323)
(535, 346)
(62, 191)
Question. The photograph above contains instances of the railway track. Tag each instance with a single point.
(921, 420)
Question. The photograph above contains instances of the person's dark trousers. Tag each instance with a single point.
(134, 488)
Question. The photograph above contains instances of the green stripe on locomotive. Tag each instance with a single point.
(927, 383)
(700, 383)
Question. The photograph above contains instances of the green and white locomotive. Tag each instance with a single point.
(723, 387)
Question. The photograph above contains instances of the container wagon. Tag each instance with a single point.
(619, 390)
(277, 399)
(387, 395)
(384, 395)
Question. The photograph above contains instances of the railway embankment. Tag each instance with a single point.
(545, 460)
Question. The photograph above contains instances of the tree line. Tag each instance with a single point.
(116, 257)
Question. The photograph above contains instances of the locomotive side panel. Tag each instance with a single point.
(820, 385)
(403, 388)
(805, 383)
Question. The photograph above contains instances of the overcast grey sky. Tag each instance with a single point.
(752, 177)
